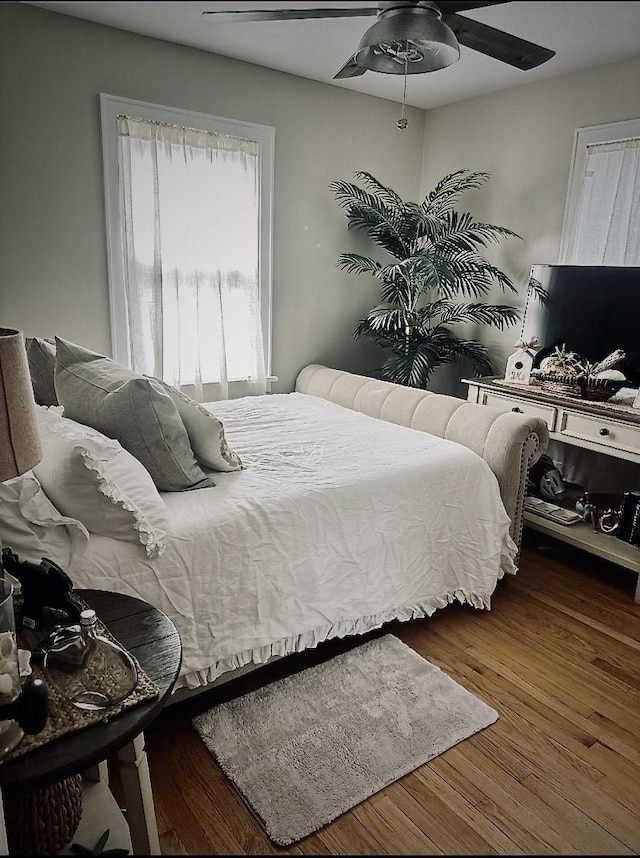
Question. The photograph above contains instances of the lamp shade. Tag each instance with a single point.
(19, 438)
(418, 36)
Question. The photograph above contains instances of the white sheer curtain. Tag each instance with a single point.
(607, 228)
(190, 213)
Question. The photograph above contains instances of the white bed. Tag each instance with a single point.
(339, 523)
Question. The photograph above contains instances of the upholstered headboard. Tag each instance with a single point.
(510, 443)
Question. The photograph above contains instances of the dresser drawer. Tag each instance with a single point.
(533, 409)
(607, 434)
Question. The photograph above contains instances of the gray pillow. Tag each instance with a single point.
(136, 411)
(205, 431)
(41, 354)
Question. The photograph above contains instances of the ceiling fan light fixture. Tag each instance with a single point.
(416, 33)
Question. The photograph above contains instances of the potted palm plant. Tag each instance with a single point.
(434, 279)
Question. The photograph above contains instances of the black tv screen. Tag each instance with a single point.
(593, 309)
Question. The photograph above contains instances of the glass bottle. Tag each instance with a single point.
(90, 670)
(11, 733)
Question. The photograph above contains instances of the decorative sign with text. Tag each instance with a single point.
(520, 363)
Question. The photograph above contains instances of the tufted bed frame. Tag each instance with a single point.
(509, 443)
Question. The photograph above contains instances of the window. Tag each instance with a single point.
(602, 214)
(188, 201)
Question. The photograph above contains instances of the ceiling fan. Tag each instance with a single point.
(410, 36)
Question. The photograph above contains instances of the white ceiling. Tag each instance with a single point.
(583, 34)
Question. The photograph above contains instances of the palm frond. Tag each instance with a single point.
(450, 187)
(399, 291)
(349, 196)
(355, 263)
(388, 196)
(461, 231)
(474, 352)
(390, 317)
(469, 274)
(497, 315)
(366, 211)
(381, 338)
(411, 365)
(429, 312)
(538, 291)
(418, 226)
(404, 281)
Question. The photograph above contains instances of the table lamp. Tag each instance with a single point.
(20, 708)
(19, 439)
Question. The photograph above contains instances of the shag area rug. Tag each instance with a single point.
(309, 747)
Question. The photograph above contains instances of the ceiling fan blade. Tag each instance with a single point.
(349, 69)
(498, 44)
(243, 15)
(448, 7)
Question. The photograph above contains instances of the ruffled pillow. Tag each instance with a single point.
(33, 528)
(91, 478)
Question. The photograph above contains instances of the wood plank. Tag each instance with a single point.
(578, 792)
(544, 829)
(347, 835)
(537, 725)
(493, 821)
(586, 836)
(428, 811)
(171, 844)
(620, 780)
(563, 678)
(617, 738)
(564, 633)
(395, 831)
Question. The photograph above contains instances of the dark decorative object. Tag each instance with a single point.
(30, 708)
(43, 585)
(99, 849)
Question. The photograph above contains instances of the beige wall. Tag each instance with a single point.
(524, 138)
(53, 268)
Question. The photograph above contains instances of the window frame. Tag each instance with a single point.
(110, 107)
(610, 132)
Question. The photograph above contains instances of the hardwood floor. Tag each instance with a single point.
(558, 773)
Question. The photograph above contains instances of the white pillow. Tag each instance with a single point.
(33, 528)
(94, 479)
(205, 431)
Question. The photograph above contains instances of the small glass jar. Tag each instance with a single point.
(90, 670)
(11, 733)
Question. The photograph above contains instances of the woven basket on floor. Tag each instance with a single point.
(43, 821)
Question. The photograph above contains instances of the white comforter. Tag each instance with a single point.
(339, 523)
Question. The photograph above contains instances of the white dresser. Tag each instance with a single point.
(609, 429)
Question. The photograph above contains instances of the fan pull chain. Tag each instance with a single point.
(402, 123)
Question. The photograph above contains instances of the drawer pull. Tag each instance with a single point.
(604, 431)
(516, 409)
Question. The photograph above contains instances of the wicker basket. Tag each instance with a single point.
(43, 821)
(594, 389)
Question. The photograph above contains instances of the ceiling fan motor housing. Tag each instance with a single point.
(408, 38)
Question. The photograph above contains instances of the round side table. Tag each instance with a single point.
(153, 640)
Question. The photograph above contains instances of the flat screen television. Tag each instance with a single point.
(593, 309)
